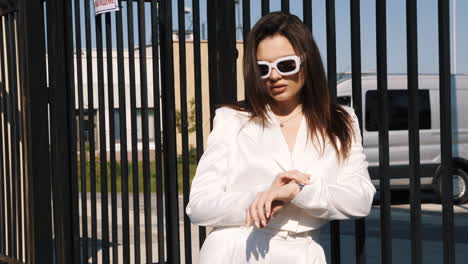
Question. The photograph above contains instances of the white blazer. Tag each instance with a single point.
(243, 158)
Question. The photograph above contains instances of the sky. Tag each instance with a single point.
(396, 31)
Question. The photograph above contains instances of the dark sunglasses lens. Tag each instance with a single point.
(287, 66)
(263, 69)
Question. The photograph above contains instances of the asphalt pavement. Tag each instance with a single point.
(432, 242)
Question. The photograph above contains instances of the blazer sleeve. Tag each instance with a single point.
(210, 204)
(349, 194)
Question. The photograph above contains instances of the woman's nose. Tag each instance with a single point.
(274, 76)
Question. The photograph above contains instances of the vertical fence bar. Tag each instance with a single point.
(170, 151)
(21, 155)
(285, 6)
(246, 22)
(355, 16)
(8, 147)
(102, 142)
(157, 128)
(81, 135)
(3, 148)
(60, 85)
(8, 172)
(331, 47)
(91, 135)
(229, 74)
(123, 139)
(446, 132)
(307, 11)
(184, 129)
(112, 156)
(23, 150)
(10, 132)
(14, 135)
(385, 199)
(222, 53)
(145, 131)
(51, 48)
(37, 185)
(245, 19)
(13, 143)
(17, 133)
(213, 9)
(76, 247)
(198, 92)
(413, 133)
(265, 7)
(134, 133)
(331, 76)
(21, 140)
(6, 117)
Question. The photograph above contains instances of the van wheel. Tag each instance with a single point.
(460, 183)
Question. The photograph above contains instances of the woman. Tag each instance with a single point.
(284, 162)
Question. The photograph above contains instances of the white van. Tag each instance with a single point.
(429, 135)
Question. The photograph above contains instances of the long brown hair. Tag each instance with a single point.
(325, 118)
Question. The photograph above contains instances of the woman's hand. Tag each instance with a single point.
(287, 176)
(270, 202)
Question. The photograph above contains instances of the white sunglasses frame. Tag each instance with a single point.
(273, 65)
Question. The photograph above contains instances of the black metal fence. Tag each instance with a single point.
(12, 132)
(91, 169)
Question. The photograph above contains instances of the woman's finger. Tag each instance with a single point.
(276, 207)
(261, 209)
(268, 202)
(248, 218)
(253, 211)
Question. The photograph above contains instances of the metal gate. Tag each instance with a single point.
(103, 119)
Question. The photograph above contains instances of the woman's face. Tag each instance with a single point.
(282, 88)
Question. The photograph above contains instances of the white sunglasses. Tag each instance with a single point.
(284, 66)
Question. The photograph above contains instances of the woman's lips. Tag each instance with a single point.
(278, 89)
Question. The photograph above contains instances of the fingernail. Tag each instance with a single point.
(257, 224)
(263, 222)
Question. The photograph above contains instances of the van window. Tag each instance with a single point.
(398, 110)
(344, 100)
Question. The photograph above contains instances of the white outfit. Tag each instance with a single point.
(243, 158)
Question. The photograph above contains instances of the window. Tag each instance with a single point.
(139, 124)
(398, 110)
(87, 126)
(117, 124)
(150, 124)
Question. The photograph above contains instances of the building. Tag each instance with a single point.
(112, 88)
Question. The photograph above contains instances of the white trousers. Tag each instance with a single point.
(239, 245)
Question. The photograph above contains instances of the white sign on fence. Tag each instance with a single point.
(103, 6)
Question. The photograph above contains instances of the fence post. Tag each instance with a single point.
(222, 53)
(60, 56)
(33, 82)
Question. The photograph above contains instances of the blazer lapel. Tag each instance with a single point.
(270, 140)
(304, 152)
(272, 143)
(275, 146)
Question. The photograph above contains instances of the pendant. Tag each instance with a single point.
(281, 124)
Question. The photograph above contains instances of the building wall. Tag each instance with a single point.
(151, 86)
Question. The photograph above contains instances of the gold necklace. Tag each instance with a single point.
(282, 123)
